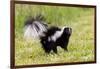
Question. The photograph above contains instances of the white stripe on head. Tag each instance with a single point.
(70, 29)
(57, 34)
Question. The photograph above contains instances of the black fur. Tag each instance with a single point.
(62, 41)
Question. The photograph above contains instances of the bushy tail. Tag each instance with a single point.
(35, 28)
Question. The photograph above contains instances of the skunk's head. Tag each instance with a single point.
(34, 27)
(67, 31)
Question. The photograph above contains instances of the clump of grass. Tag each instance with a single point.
(81, 44)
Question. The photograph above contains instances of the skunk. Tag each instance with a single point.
(50, 37)
(56, 37)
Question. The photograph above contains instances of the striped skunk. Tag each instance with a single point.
(50, 37)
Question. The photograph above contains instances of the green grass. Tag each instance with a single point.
(81, 45)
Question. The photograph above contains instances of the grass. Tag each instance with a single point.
(81, 45)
